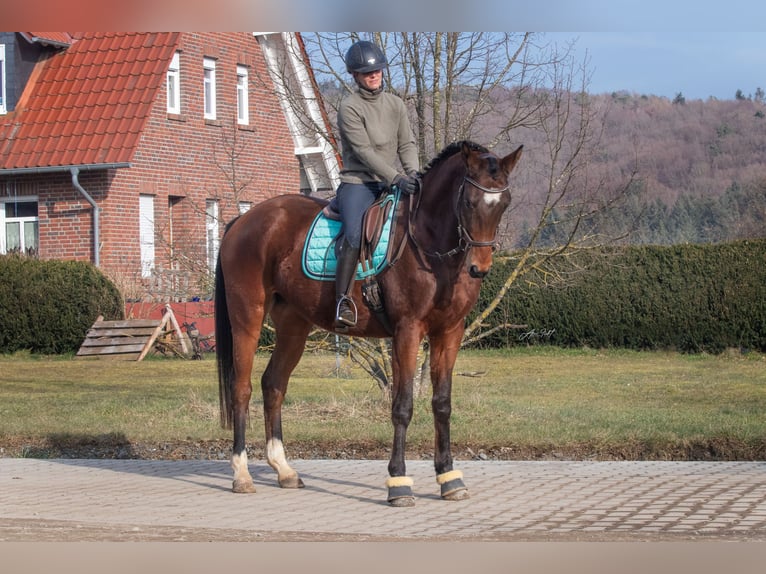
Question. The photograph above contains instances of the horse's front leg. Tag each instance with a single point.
(404, 360)
(444, 349)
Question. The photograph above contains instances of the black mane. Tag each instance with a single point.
(452, 149)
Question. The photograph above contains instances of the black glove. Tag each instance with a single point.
(408, 184)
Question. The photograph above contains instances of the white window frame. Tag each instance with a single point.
(21, 220)
(212, 238)
(174, 84)
(244, 206)
(3, 100)
(209, 87)
(146, 233)
(243, 109)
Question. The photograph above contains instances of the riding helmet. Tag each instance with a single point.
(364, 56)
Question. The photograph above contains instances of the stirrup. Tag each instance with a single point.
(344, 322)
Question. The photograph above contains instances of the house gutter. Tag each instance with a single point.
(74, 170)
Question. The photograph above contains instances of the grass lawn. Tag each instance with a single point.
(537, 402)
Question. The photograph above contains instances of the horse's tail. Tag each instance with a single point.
(223, 348)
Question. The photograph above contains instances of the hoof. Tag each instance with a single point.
(243, 486)
(400, 491)
(401, 501)
(452, 485)
(293, 481)
(459, 494)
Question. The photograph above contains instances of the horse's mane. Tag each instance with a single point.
(452, 149)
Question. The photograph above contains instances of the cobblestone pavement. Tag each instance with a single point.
(68, 500)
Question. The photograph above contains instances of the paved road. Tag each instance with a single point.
(66, 500)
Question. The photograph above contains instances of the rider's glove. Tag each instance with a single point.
(408, 184)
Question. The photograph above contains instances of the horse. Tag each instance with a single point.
(447, 233)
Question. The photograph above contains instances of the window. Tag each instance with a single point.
(19, 226)
(174, 85)
(209, 88)
(146, 233)
(211, 232)
(3, 106)
(243, 112)
(244, 206)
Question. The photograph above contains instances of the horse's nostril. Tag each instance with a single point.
(476, 273)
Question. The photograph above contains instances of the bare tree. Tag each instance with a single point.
(500, 89)
(188, 254)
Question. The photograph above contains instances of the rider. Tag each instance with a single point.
(375, 132)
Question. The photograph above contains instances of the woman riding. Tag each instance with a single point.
(376, 138)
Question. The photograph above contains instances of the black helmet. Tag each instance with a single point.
(365, 57)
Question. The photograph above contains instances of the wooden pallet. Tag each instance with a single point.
(130, 339)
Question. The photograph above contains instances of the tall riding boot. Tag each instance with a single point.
(345, 310)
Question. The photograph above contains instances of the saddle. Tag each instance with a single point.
(372, 225)
(376, 253)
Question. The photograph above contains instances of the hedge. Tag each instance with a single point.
(48, 306)
(690, 298)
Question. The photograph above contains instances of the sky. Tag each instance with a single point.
(698, 65)
(702, 48)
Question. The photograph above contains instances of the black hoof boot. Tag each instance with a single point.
(400, 491)
(452, 486)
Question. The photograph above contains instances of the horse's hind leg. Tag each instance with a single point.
(243, 365)
(246, 321)
(292, 331)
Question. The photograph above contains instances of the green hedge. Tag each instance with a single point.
(48, 306)
(690, 298)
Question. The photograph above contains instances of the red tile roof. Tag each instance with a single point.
(89, 103)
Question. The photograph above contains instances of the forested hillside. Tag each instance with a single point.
(697, 169)
(700, 169)
(596, 168)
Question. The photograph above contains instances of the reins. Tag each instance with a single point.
(465, 241)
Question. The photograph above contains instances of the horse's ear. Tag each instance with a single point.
(466, 149)
(470, 157)
(509, 161)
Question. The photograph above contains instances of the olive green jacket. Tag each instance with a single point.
(375, 132)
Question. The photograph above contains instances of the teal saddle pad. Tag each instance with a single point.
(319, 261)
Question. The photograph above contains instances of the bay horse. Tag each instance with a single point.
(447, 237)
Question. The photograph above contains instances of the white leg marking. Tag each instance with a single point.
(275, 456)
(239, 466)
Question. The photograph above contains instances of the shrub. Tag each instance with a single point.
(48, 306)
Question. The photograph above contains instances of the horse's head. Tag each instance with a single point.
(482, 199)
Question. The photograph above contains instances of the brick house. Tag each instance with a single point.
(132, 150)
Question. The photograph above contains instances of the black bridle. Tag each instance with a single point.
(465, 241)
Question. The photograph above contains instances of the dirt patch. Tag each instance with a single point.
(116, 446)
(61, 531)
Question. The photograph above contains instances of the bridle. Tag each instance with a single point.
(465, 241)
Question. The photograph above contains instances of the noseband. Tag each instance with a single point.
(465, 241)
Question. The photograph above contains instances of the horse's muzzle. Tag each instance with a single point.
(477, 273)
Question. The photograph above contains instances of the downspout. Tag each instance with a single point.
(96, 210)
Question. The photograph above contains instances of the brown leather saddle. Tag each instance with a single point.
(372, 225)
